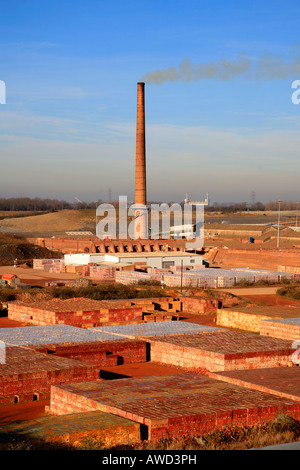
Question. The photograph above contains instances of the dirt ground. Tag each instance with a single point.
(271, 300)
(22, 411)
(28, 275)
(65, 220)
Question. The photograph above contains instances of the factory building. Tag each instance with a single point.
(153, 260)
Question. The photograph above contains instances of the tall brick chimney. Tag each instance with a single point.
(140, 163)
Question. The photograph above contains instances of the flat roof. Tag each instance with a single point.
(143, 254)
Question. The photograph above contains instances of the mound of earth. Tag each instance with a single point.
(60, 221)
(15, 247)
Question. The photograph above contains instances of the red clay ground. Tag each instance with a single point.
(272, 299)
(7, 323)
(22, 411)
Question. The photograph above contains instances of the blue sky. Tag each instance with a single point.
(224, 124)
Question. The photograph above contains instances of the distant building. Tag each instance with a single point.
(159, 260)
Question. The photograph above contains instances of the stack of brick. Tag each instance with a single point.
(100, 353)
(221, 351)
(28, 375)
(289, 269)
(101, 272)
(80, 312)
(200, 305)
(288, 328)
(134, 277)
(51, 265)
(73, 429)
(174, 406)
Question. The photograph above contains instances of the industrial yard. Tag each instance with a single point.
(126, 372)
(131, 343)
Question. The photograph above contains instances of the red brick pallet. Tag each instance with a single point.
(185, 404)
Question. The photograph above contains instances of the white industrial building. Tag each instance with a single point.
(154, 260)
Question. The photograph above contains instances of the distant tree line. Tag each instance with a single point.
(39, 205)
(257, 206)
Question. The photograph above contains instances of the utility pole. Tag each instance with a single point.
(181, 274)
(278, 224)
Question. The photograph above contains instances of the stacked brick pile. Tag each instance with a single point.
(211, 277)
(149, 329)
(248, 321)
(28, 375)
(100, 272)
(78, 312)
(40, 356)
(280, 381)
(198, 305)
(108, 353)
(51, 265)
(257, 318)
(221, 350)
(73, 429)
(287, 328)
(133, 277)
(174, 405)
(289, 269)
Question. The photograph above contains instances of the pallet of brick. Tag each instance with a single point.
(248, 319)
(133, 277)
(27, 375)
(47, 264)
(35, 336)
(174, 406)
(284, 328)
(73, 429)
(221, 350)
(289, 269)
(153, 329)
(102, 272)
(198, 305)
(77, 311)
(106, 353)
(280, 381)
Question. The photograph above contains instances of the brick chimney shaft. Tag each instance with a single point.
(140, 164)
